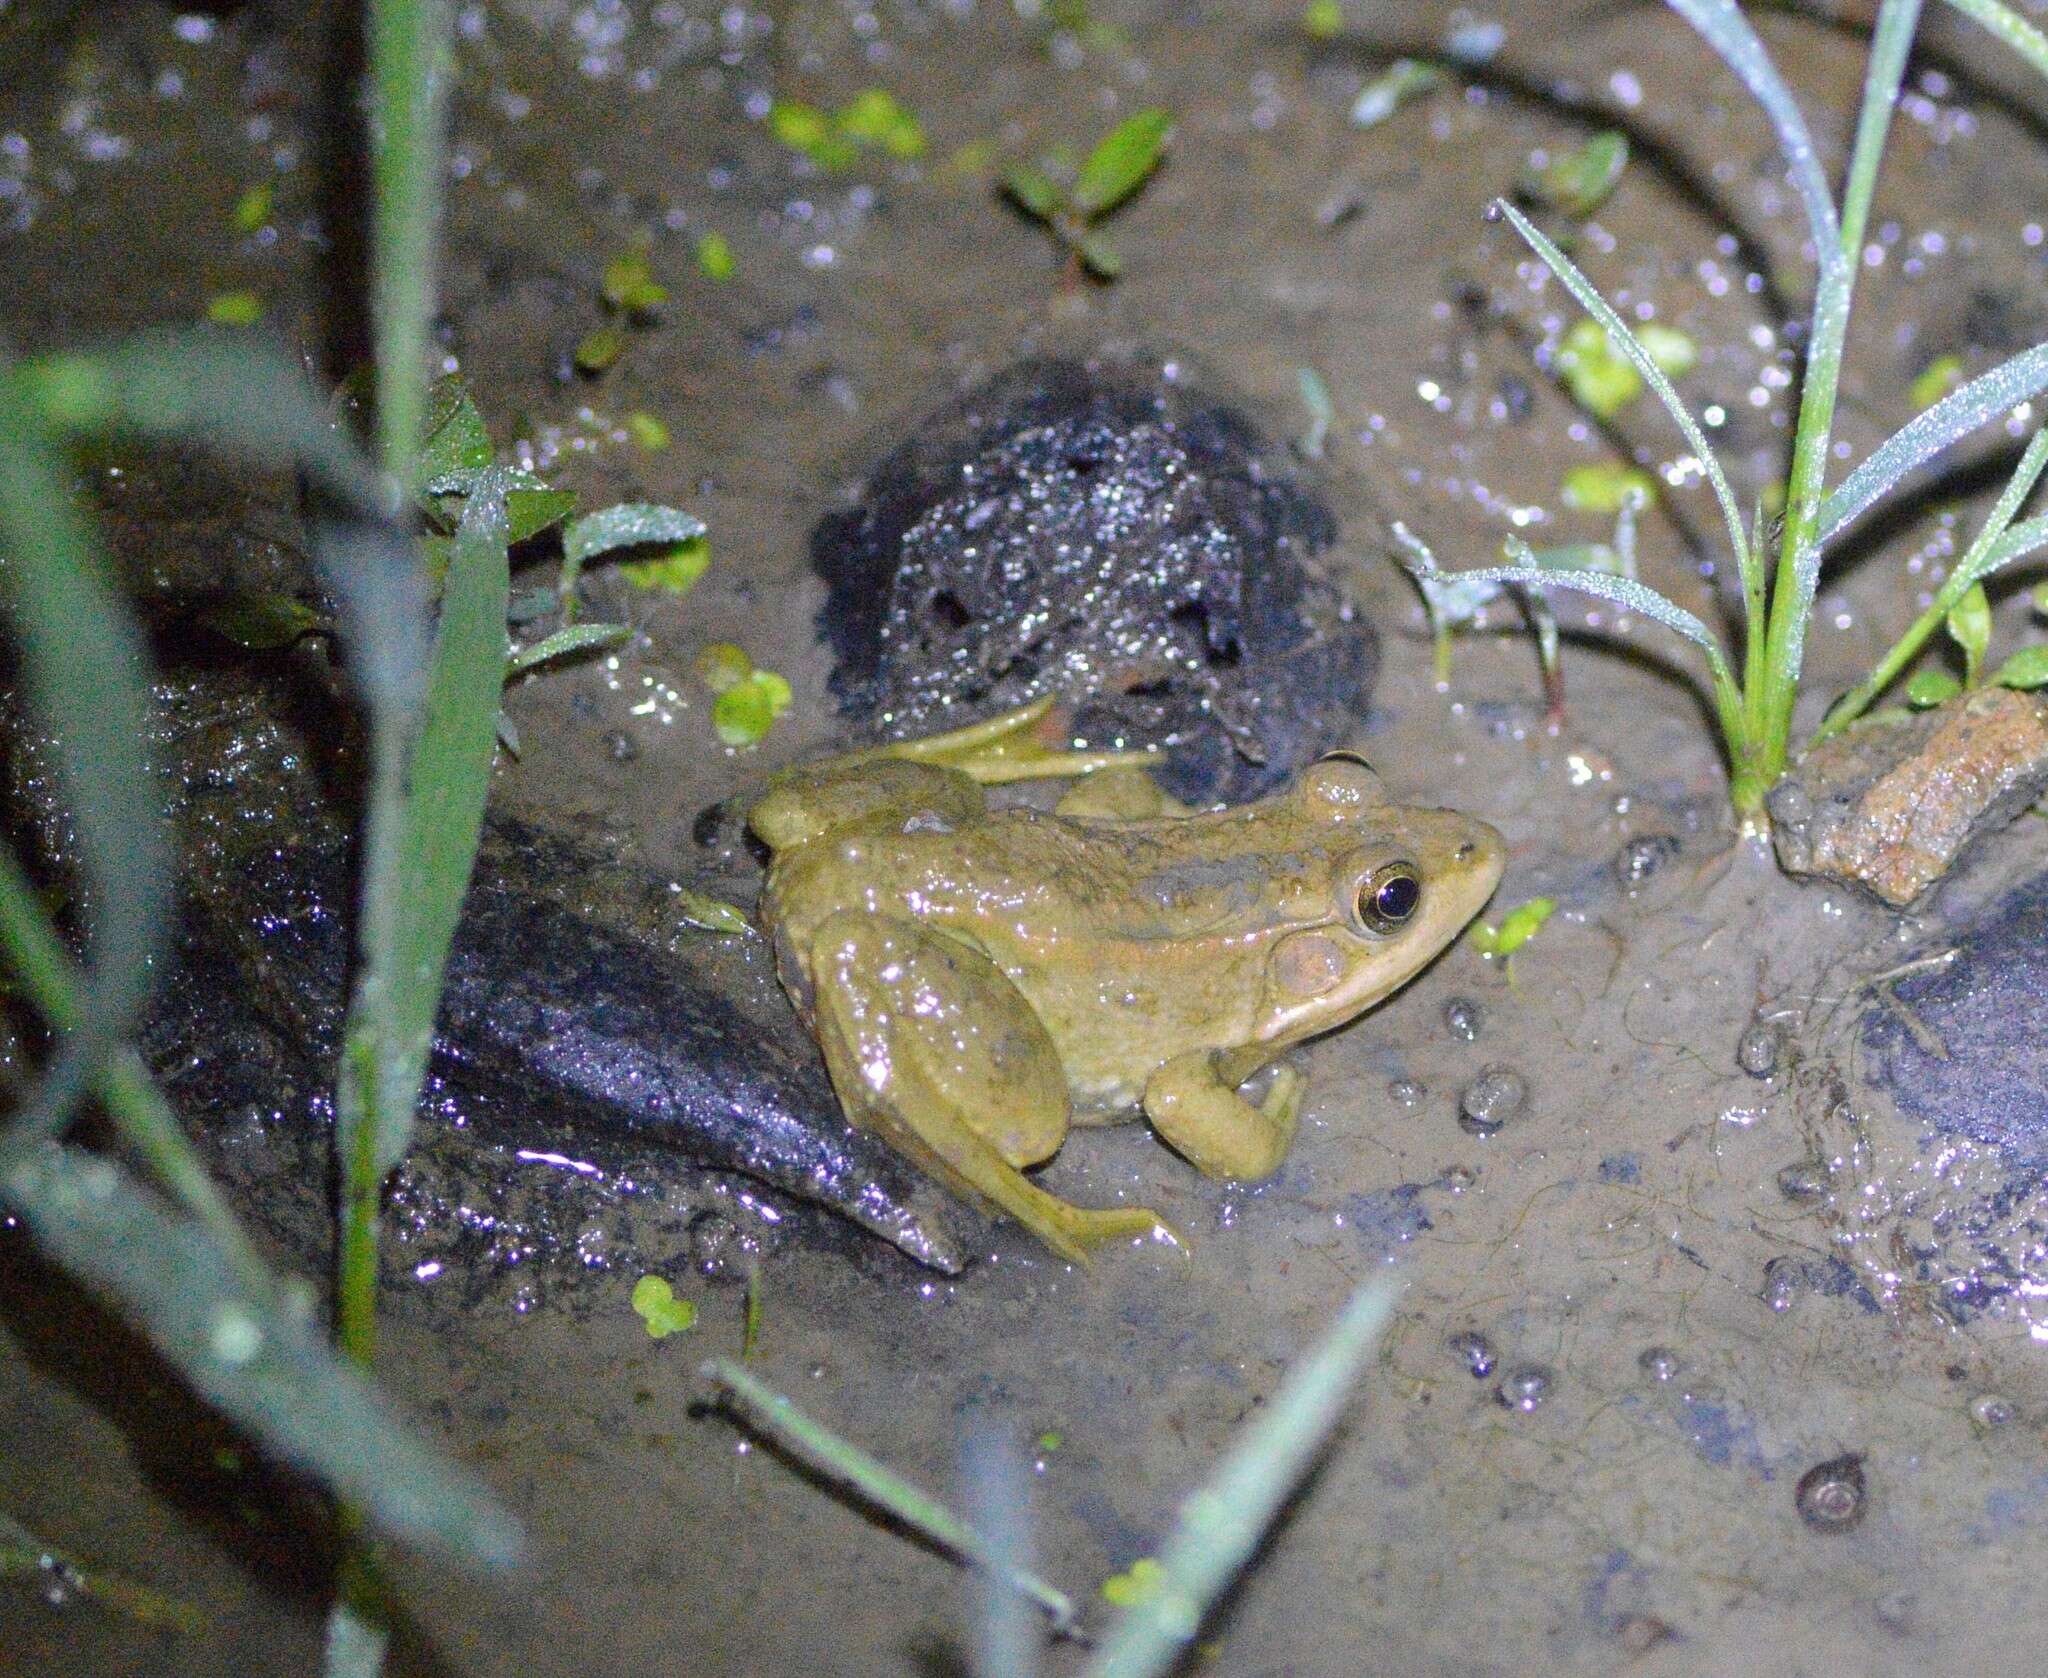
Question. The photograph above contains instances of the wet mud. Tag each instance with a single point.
(1721, 1342)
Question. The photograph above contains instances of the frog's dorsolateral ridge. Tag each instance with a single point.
(980, 978)
(1105, 532)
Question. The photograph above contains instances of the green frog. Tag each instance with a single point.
(980, 978)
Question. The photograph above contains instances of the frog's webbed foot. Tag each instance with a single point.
(932, 1048)
(1193, 1103)
(1008, 748)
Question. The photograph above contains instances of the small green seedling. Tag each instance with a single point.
(748, 700)
(234, 308)
(1579, 182)
(1137, 1583)
(631, 295)
(648, 431)
(715, 260)
(1322, 20)
(1403, 80)
(252, 210)
(660, 1310)
(1602, 379)
(872, 120)
(1517, 927)
(1940, 377)
(1969, 626)
(1122, 161)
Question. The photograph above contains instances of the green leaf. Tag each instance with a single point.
(565, 642)
(1969, 626)
(252, 209)
(675, 572)
(629, 282)
(630, 524)
(1605, 486)
(254, 1350)
(1033, 191)
(530, 511)
(234, 308)
(1322, 20)
(1600, 378)
(745, 712)
(1578, 182)
(599, 351)
(1523, 923)
(1931, 687)
(874, 117)
(1939, 378)
(453, 436)
(714, 257)
(1672, 350)
(1403, 80)
(1120, 162)
(664, 1314)
(648, 431)
(1099, 256)
(263, 622)
(2027, 668)
(722, 666)
(800, 126)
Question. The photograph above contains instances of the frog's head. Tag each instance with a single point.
(1402, 883)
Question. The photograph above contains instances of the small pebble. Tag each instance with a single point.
(1758, 1050)
(1474, 1350)
(1524, 1387)
(1807, 1180)
(1660, 1363)
(1990, 1411)
(1636, 861)
(1408, 1092)
(1831, 1495)
(1493, 1098)
(1463, 1018)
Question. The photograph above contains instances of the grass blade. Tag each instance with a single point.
(83, 669)
(1958, 414)
(1223, 1522)
(257, 1355)
(1748, 562)
(817, 1446)
(2007, 24)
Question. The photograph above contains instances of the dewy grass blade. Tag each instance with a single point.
(83, 669)
(1589, 299)
(2014, 30)
(845, 1463)
(1950, 420)
(1222, 1523)
(254, 1352)
(414, 887)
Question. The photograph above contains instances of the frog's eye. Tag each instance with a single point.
(1341, 784)
(1390, 896)
(1344, 754)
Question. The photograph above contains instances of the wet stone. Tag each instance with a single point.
(1464, 1019)
(1108, 532)
(1831, 1496)
(1493, 1098)
(1524, 1388)
(1642, 857)
(1783, 1281)
(1758, 1049)
(1660, 1363)
(1474, 1350)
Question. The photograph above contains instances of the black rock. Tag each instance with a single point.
(1107, 532)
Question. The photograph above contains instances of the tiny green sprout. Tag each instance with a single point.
(252, 209)
(744, 714)
(1578, 182)
(1940, 377)
(234, 308)
(707, 913)
(1122, 161)
(1928, 688)
(721, 666)
(600, 350)
(874, 117)
(1605, 486)
(750, 1326)
(1517, 927)
(1051, 1439)
(629, 283)
(1137, 1583)
(674, 572)
(1601, 379)
(714, 256)
(1969, 626)
(660, 1310)
(647, 431)
(2027, 668)
(1386, 93)
(1322, 20)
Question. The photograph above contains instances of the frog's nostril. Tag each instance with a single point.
(1465, 850)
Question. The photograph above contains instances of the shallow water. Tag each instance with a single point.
(1703, 1338)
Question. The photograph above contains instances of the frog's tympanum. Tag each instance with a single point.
(981, 978)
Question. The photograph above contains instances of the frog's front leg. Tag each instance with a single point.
(1008, 748)
(931, 1047)
(1193, 1103)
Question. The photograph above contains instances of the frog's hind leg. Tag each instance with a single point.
(933, 1049)
(1193, 1103)
(1008, 748)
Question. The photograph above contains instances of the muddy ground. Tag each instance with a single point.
(1705, 1336)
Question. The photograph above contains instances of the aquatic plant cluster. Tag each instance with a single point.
(1754, 687)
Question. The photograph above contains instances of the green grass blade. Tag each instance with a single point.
(1749, 564)
(1727, 31)
(631, 524)
(1222, 1523)
(816, 1445)
(257, 1355)
(565, 642)
(408, 82)
(2014, 30)
(1958, 414)
(83, 669)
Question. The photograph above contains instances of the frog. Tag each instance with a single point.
(982, 976)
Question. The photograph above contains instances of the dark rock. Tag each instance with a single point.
(1108, 532)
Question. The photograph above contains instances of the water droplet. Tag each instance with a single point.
(1660, 1363)
(1831, 1495)
(1806, 1180)
(1524, 1387)
(1492, 211)
(234, 1336)
(1636, 861)
(1463, 1018)
(1990, 1411)
(1474, 1350)
(1781, 1284)
(1408, 1092)
(1497, 1095)
(1758, 1050)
